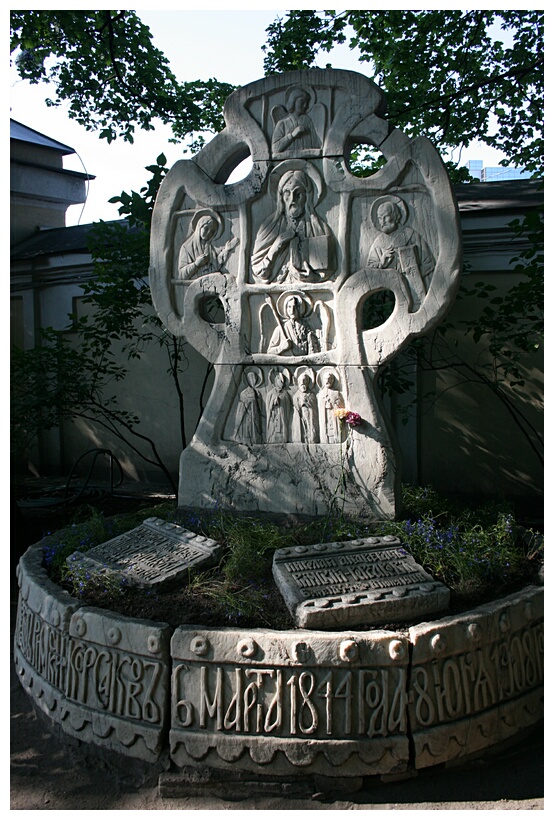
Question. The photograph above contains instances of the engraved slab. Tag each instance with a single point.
(269, 700)
(365, 581)
(152, 554)
(476, 677)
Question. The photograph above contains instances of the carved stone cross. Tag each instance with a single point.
(289, 256)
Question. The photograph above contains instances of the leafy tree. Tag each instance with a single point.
(58, 380)
(105, 65)
(72, 373)
(445, 73)
(450, 76)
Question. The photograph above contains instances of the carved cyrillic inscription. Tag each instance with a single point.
(458, 686)
(45, 648)
(150, 554)
(290, 702)
(112, 681)
(354, 571)
(142, 555)
(354, 582)
(120, 683)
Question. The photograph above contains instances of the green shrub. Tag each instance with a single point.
(476, 552)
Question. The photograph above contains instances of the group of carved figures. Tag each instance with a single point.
(280, 414)
(295, 245)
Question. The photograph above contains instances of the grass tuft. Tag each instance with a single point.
(477, 552)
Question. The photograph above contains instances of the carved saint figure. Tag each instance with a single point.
(305, 405)
(279, 410)
(248, 424)
(294, 336)
(294, 129)
(198, 255)
(400, 248)
(329, 399)
(294, 242)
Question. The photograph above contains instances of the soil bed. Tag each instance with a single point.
(247, 596)
(179, 605)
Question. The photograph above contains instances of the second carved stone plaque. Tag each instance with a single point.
(352, 583)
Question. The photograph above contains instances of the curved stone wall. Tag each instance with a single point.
(331, 703)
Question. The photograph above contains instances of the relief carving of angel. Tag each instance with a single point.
(293, 333)
(294, 128)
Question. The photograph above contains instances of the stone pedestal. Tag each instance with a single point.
(293, 703)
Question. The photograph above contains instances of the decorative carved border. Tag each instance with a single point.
(298, 701)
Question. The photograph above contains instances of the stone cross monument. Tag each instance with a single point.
(267, 280)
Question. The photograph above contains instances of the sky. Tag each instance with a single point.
(199, 45)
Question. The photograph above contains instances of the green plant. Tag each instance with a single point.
(249, 543)
(452, 76)
(80, 535)
(106, 66)
(448, 74)
(469, 549)
(71, 374)
(232, 600)
(478, 552)
(81, 581)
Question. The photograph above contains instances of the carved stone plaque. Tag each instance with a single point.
(477, 676)
(152, 554)
(273, 280)
(274, 699)
(366, 581)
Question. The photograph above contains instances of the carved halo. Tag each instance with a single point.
(322, 374)
(304, 371)
(295, 89)
(257, 373)
(276, 371)
(296, 165)
(395, 200)
(303, 301)
(198, 214)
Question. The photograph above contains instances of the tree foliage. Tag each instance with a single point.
(451, 75)
(104, 64)
(74, 373)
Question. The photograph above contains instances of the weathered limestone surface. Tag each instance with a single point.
(477, 676)
(155, 553)
(103, 678)
(348, 703)
(268, 279)
(274, 699)
(353, 583)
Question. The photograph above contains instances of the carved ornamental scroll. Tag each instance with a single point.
(290, 255)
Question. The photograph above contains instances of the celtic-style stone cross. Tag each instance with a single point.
(290, 255)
